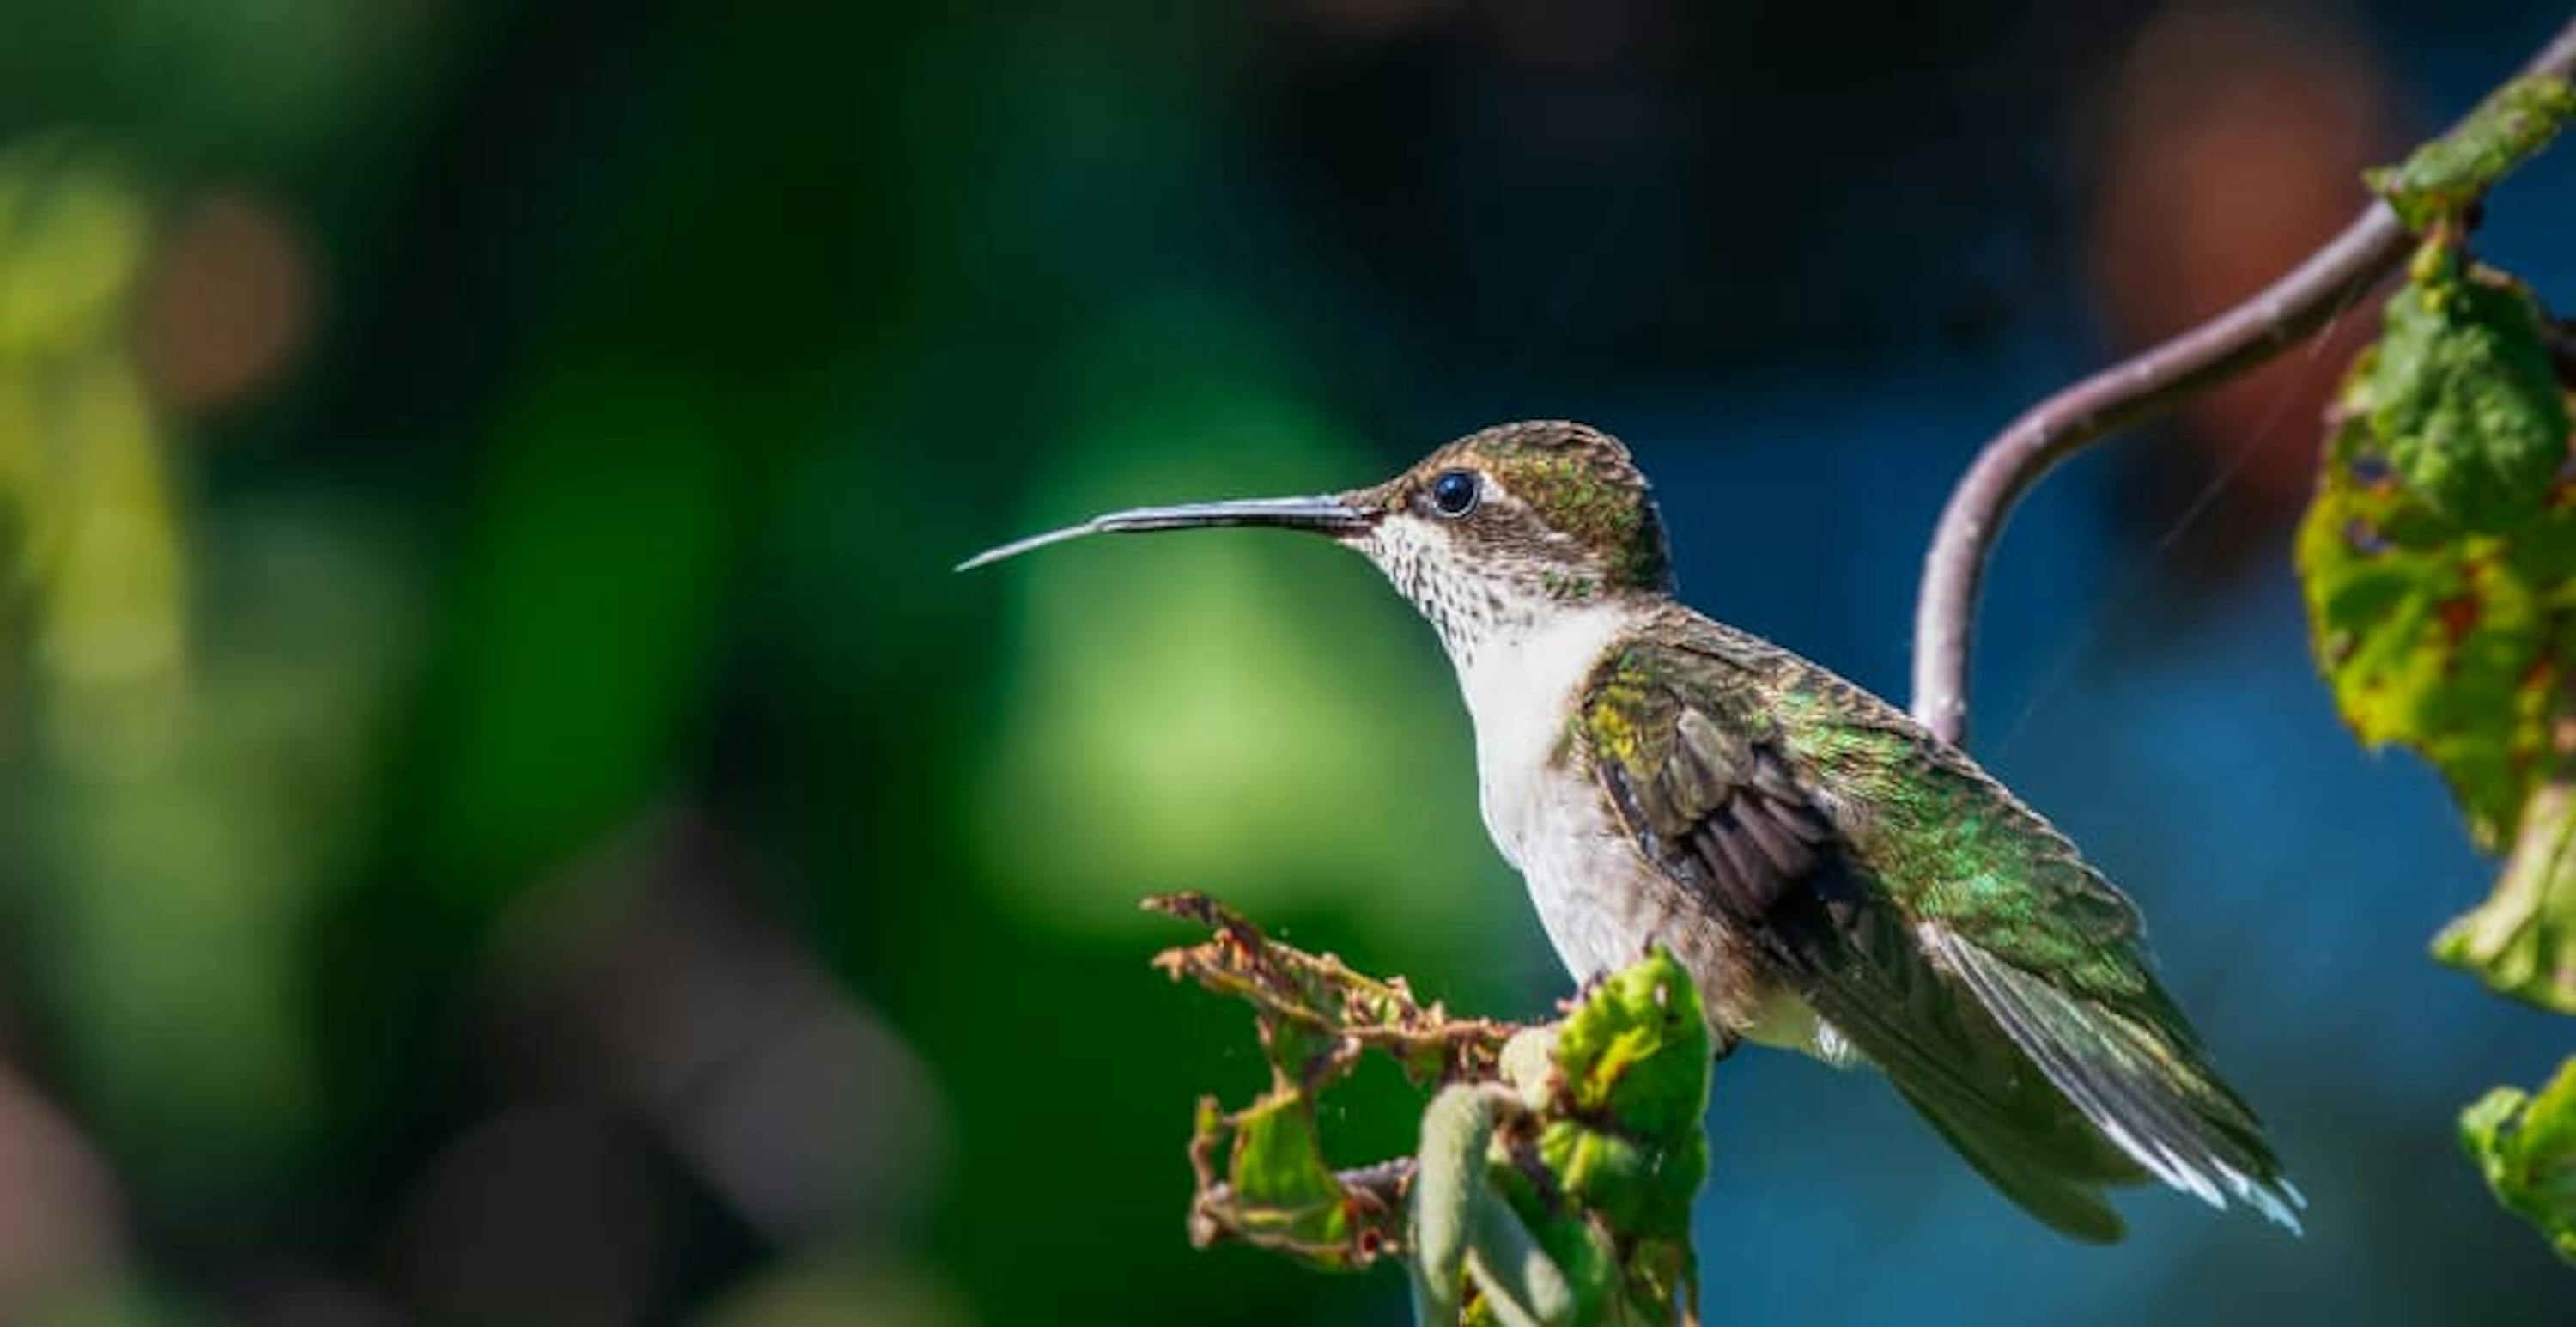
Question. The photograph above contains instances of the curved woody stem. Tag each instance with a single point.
(2276, 318)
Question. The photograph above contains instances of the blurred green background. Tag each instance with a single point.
(508, 817)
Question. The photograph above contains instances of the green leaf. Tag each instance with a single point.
(2525, 1145)
(2462, 395)
(1631, 1080)
(1285, 1192)
(2433, 636)
(2442, 178)
(1636, 1050)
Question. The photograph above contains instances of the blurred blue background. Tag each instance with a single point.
(509, 818)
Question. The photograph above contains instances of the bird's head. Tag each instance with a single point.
(1494, 532)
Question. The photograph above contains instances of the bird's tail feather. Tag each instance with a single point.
(2142, 1084)
(2061, 1188)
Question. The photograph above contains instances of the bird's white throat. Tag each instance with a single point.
(1520, 655)
(1520, 690)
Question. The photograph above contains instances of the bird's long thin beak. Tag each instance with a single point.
(1323, 515)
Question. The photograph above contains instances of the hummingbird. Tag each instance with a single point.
(1837, 879)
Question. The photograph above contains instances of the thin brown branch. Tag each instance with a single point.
(2280, 316)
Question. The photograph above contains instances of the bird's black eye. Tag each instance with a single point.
(1454, 493)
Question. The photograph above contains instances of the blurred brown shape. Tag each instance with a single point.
(229, 303)
(650, 973)
(542, 1214)
(304, 1295)
(2235, 136)
(60, 1218)
(647, 1011)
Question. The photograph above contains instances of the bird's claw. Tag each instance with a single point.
(1583, 993)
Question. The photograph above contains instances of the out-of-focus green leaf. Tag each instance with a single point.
(196, 1060)
(2443, 177)
(73, 231)
(84, 486)
(1223, 706)
(2525, 1145)
(245, 83)
(582, 620)
(2462, 395)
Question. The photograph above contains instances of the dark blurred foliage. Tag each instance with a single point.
(509, 819)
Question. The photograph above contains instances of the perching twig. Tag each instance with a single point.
(2280, 316)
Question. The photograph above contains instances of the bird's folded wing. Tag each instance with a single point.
(2050, 1094)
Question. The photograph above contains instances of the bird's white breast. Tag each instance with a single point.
(1598, 897)
(1541, 808)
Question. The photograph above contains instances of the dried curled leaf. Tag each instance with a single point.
(1562, 1159)
(2525, 1145)
(1277, 1193)
(1262, 1176)
(2443, 178)
(1311, 1004)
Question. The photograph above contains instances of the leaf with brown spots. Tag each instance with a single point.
(2441, 596)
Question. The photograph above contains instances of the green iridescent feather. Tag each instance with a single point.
(1920, 909)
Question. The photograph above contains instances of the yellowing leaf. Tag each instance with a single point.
(2449, 642)
(2522, 940)
(2525, 1145)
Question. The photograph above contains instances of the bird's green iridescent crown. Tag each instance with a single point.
(1583, 484)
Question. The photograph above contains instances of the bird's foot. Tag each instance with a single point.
(1583, 993)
